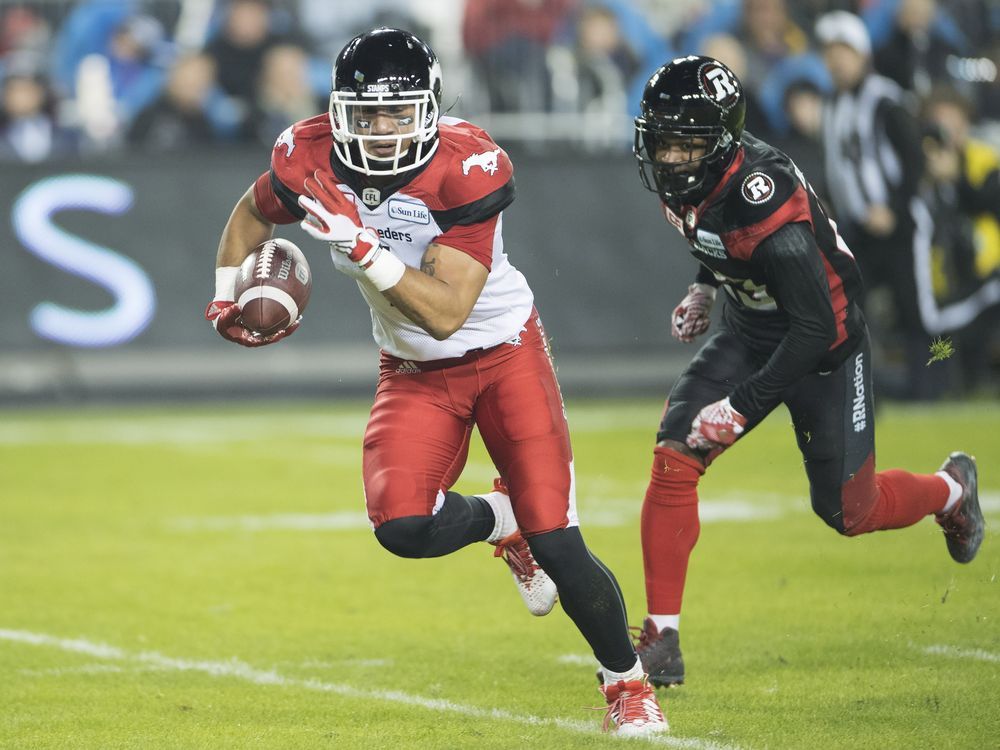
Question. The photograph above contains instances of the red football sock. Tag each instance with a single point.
(903, 499)
(670, 527)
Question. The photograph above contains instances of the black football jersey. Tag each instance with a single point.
(792, 295)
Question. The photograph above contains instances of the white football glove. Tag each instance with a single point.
(692, 316)
(332, 217)
(716, 426)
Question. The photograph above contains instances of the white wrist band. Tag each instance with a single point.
(225, 282)
(385, 270)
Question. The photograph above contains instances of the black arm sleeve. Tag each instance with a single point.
(705, 276)
(796, 278)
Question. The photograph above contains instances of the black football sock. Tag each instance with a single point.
(589, 594)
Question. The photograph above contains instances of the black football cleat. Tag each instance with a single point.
(660, 654)
(963, 525)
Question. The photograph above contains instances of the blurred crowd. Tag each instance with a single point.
(84, 77)
(94, 77)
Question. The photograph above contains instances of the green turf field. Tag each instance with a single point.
(203, 577)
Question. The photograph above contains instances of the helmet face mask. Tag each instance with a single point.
(677, 177)
(693, 105)
(385, 103)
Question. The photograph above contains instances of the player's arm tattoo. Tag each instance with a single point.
(427, 265)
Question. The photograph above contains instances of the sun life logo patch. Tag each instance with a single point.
(757, 188)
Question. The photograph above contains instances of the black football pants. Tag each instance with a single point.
(833, 413)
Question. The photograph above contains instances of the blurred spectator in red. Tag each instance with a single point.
(915, 55)
(284, 95)
(506, 41)
(21, 28)
(29, 130)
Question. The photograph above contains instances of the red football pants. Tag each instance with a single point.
(417, 436)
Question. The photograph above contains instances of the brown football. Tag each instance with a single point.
(273, 286)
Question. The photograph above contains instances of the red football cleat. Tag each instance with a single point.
(633, 709)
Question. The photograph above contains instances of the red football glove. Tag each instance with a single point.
(716, 426)
(225, 318)
(691, 317)
(332, 217)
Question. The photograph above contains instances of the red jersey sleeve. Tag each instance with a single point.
(298, 152)
(468, 186)
(268, 203)
(476, 240)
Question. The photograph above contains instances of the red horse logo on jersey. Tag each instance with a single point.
(488, 160)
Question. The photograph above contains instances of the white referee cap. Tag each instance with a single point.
(841, 27)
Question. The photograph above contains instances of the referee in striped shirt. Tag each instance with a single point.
(874, 164)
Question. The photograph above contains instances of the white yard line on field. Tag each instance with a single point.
(602, 514)
(578, 660)
(989, 502)
(977, 654)
(237, 669)
(179, 430)
(598, 513)
(274, 522)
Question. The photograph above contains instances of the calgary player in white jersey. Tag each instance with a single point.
(411, 206)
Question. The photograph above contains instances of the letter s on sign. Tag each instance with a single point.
(135, 298)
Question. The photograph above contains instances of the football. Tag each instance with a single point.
(273, 286)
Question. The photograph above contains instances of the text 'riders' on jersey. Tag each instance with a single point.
(456, 199)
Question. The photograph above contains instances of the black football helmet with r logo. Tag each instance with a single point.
(688, 98)
(385, 102)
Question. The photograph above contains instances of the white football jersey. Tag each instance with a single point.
(498, 315)
(457, 200)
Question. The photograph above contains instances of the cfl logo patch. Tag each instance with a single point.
(757, 188)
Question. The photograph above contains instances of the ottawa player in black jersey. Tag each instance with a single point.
(792, 332)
